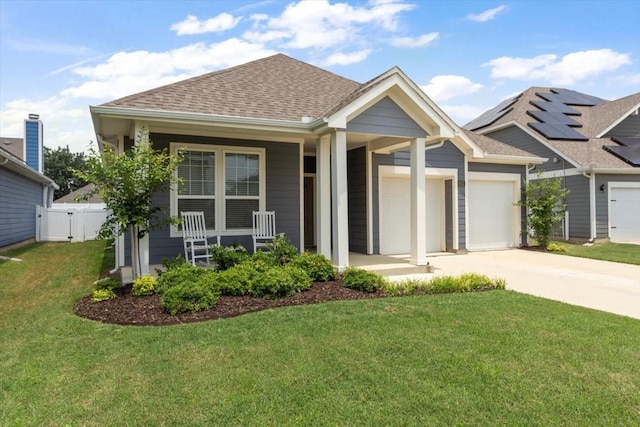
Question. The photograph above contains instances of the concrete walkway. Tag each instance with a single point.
(602, 285)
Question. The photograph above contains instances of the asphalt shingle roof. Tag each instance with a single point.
(277, 87)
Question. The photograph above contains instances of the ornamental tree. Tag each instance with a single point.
(544, 200)
(126, 183)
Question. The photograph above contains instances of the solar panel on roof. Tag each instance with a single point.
(492, 115)
(628, 151)
(557, 131)
(571, 97)
(555, 107)
(553, 117)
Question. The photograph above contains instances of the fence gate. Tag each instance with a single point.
(68, 224)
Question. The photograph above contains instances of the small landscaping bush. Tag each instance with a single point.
(108, 283)
(317, 266)
(144, 285)
(102, 295)
(556, 247)
(275, 282)
(179, 274)
(170, 263)
(189, 297)
(226, 257)
(363, 280)
(282, 251)
(237, 279)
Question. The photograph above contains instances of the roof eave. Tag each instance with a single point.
(16, 165)
(617, 121)
(510, 159)
(201, 119)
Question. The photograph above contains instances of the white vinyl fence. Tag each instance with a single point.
(69, 223)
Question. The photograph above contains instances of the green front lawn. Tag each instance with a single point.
(489, 358)
(616, 252)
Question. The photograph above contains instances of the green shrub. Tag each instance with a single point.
(237, 279)
(189, 297)
(474, 282)
(169, 264)
(182, 273)
(278, 282)
(103, 295)
(444, 284)
(556, 247)
(264, 257)
(363, 280)
(225, 257)
(317, 266)
(406, 287)
(281, 250)
(106, 283)
(144, 285)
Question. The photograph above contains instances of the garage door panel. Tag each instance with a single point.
(491, 214)
(624, 214)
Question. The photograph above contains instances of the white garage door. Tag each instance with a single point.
(492, 216)
(395, 217)
(624, 213)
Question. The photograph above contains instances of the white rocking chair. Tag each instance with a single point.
(264, 229)
(194, 237)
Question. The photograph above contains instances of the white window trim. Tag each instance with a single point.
(220, 197)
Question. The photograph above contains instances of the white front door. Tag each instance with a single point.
(395, 217)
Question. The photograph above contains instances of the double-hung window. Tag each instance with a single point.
(226, 183)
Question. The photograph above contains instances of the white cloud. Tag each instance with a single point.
(421, 41)
(441, 88)
(129, 72)
(487, 15)
(566, 71)
(319, 24)
(192, 25)
(346, 58)
(628, 80)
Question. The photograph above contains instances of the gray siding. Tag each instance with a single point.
(18, 199)
(578, 206)
(447, 156)
(282, 186)
(386, 118)
(497, 168)
(357, 187)
(602, 200)
(629, 127)
(516, 137)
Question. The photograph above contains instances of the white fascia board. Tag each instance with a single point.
(204, 119)
(617, 122)
(512, 160)
(532, 134)
(616, 171)
(476, 151)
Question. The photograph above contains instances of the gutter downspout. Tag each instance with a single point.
(592, 203)
(116, 242)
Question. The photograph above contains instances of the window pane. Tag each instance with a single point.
(198, 174)
(208, 206)
(239, 213)
(240, 171)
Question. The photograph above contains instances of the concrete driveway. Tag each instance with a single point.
(606, 286)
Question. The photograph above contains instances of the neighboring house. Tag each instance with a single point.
(344, 165)
(76, 197)
(22, 185)
(591, 143)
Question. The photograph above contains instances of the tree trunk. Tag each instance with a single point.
(135, 252)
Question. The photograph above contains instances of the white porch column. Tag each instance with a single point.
(339, 200)
(323, 196)
(144, 242)
(418, 203)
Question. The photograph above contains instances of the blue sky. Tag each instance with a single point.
(59, 57)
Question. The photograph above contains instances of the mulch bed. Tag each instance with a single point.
(147, 310)
(535, 248)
